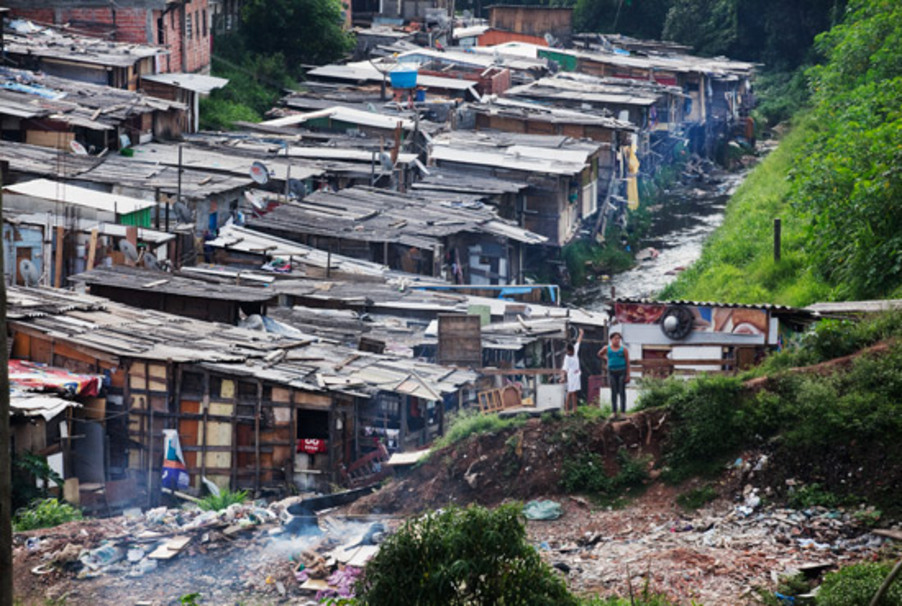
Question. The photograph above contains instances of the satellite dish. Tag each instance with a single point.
(677, 321)
(150, 261)
(183, 213)
(297, 188)
(256, 203)
(128, 249)
(30, 272)
(77, 148)
(259, 173)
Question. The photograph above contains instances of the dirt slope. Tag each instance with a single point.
(519, 464)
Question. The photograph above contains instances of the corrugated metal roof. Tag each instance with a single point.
(146, 280)
(197, 83)
(765, 306)
(242, 239)
(38, 405)
(376, 215)
(56, 191)
(344, 114)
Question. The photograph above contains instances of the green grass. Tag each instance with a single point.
(737, 263)
(468, 423)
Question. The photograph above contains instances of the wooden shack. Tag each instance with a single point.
(444, 235)
(240, 399)
(176, 294)
(562, 174)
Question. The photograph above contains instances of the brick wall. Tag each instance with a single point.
(140, 26)
(41, 15)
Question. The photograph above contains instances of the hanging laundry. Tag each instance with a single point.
(175, 473)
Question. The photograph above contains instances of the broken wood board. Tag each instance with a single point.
(358, 555)
(889, 533)
(315, 585)
(170, 548)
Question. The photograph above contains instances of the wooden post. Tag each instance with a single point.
(58, 266)
(6, 528)
(92, 249)
(205, 403)
(131, 234)
(257, 439)
(149, 454)
(777, 235)
(329, 261)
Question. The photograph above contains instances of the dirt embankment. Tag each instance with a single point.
(518, 464)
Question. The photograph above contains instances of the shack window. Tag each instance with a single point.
(193, 383)
(247, 391)
(188, 29)
(204, 22)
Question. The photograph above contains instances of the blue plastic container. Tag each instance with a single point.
(403, 78)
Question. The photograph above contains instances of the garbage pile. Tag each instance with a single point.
(718, 555)
(164, 553)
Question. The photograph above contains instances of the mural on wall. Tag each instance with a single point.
(737, 321)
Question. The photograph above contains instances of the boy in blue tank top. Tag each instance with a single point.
(617, 358)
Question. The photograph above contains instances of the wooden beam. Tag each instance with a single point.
(131, 234)
(58, 267)
(92, 249)
(530, 372)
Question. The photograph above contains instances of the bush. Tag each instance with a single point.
(812, 495)
(462, 556)
(697, 497)
(468, 423)
(213, 502)
(856, 585)
(27, 468)
(45, 513)
(586, 474)
(704, 422)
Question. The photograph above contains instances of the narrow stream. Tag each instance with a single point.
(684, 219)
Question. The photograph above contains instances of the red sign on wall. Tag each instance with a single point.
(311, 445)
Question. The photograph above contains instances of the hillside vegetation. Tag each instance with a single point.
(834, 182)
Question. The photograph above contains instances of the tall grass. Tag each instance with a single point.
(468, 423)
(737, 262)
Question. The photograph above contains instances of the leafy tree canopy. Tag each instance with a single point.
(303, 31)
(850, 181)
(775, 32)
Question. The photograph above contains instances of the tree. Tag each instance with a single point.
(850, 181)
(303, 31)
(775, 32)
(638, 18)
(710, 27)
(462, 557)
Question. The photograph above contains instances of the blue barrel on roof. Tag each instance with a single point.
(403, 78)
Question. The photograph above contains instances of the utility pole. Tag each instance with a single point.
(6, 501)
